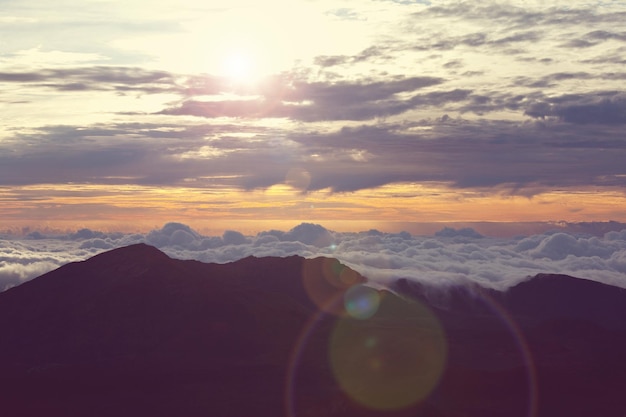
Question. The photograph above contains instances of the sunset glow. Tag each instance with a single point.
(339, 113)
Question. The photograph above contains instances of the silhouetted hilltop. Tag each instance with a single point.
(136, 301)
(560, 296)
(132, 332)
(544, 296)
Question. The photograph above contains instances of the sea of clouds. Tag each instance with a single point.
(449, 256)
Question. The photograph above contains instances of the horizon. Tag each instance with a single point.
(252, 228)
(351, 115)
(594, 251)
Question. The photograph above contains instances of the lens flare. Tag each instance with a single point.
(361, 302)
(326, 280)
(384, 364)
(524, 349)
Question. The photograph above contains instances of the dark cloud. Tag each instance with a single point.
(517, 17)
(598, 108)
(373, 53)
(606, 111)
(432, 144)
(614, 58)
(510, 34)
(552, 80)
(594, 38)
(21, 77)
(127, 153)
(284, 95)
(332, 60)
(453, 64)
(98, 78)
(606, 35)
(523, 158)
(518, 158)
(319, 101)
(353, 92)
(466, 232)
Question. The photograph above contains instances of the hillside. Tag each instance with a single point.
(132, 332)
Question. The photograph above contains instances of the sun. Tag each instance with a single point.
(238, 64)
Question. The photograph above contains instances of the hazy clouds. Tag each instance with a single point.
(508, 96)
(451, 255)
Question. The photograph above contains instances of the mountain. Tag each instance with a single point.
(132, 332)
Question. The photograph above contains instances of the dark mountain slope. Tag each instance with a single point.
(132, 332)
(561, 296)
(543, 296)
(136, 301)
(562, 337)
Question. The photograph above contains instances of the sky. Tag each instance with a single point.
(254, 116)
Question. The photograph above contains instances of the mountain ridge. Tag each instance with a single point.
(135, 332)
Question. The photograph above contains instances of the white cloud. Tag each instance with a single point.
(12, 274)
(232, 237)
(173, 234)
(444, 258)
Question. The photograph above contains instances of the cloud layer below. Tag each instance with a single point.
(450, 256)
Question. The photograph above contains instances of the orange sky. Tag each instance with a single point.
(387, 208)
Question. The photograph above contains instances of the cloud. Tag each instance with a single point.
(173, 234)
(510, 157)
(397, 108)
(561, 245)
(594, 38)
(460, 233)
(453, 152)
(321, 101)
(516, 17)
(598, 108)
(96, 244)
(309, 234)
(13, 274)
(449, 256)
(97, 78)
(232, 237)
(22, 260)
(372, 53)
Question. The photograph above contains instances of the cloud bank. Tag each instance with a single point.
(449, 256)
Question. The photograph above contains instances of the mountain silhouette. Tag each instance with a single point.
(133, 332)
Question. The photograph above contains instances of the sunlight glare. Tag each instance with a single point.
(239, 65)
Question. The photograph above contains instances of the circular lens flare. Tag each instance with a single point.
(361, 302)
(385, 364)
(326, 280)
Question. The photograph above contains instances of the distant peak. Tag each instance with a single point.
(136, 252)
(140, 248)
(544, 279)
